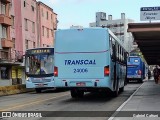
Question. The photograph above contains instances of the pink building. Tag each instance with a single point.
(47, 21)
(5, 42)
(23, 34)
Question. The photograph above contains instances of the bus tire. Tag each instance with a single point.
(80, 94)
(73, 93)
(121, 89)
(141, 81)
(38, 90)
(116, 92)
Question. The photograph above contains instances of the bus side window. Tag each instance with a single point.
(126, 57)
(114, 52)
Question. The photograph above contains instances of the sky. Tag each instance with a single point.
(82, 12)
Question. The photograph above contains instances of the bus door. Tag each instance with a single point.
(114, 65)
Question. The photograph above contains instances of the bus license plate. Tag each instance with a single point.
(40, 85)
(80, 84)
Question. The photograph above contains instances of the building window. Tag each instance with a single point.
(32, 8)
(47, 32)
(34, 44)
(51, 16)
(13, 40)
(4, 32)
(4, 73)
(47, 15)
(12, 20)
(42, 30)
(52, 33)
(42, 12)
(24, 3)
(26, 24)
(26, 43)
(33, 27)
(3, 9)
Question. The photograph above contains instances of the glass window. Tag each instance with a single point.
(4, 32)
(24, 3)
(43, 30)
(34, 45)
(3, 9)
(26, 24)
(12, 20)
(47, 15)
(135, 60)
(13, 40)
(42, 12)
(26, 42)
(47, 32)
(32, 8)
(33, 27)
(39, 64)
(4, 73)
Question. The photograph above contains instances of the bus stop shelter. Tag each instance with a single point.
(147, 36)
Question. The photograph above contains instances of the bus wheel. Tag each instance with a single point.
(121, 89)
(74, 93)
(116, 92)
(80, 94)
(140, 81)
(38, 90)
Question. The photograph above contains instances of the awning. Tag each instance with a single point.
(147, 36)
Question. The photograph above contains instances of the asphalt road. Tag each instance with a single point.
(61, 104)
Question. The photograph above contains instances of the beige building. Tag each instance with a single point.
(117, 26)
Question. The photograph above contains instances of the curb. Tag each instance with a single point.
(120, 108)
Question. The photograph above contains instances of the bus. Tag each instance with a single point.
(136, 69)
(89, 59)
(39, 67)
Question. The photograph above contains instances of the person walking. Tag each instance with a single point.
(156, 74)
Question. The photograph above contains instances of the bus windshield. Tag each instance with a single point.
(39, 64)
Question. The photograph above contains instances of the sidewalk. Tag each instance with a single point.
(13, 89)
(146, 103)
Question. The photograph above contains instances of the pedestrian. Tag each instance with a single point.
(156, 74)
(149, 74)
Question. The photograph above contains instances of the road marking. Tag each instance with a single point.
(35, 102)
(120, 108)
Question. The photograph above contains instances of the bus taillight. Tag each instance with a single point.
(55, 71)
(106, 70)
(139, 72)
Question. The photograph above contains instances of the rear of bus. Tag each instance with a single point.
(82, 59)
(135, 68)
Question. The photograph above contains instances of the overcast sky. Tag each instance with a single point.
(82, 12)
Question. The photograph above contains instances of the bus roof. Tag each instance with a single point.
(97, 28)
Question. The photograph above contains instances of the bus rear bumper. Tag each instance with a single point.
(40, 85)
(88, 84)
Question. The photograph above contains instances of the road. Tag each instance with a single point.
(52, 101)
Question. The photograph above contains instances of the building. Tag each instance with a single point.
(47, 24)
(118, 27)
(24, 24)
(6, 61)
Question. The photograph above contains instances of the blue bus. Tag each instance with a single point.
(136, 69)
(89, 59)
(39, 63)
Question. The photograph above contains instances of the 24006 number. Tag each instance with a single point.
(80, 70)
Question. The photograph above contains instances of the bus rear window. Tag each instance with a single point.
(136, 61)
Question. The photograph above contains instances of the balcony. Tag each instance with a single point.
(6, 43)
(6, 1)
(5, 20)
